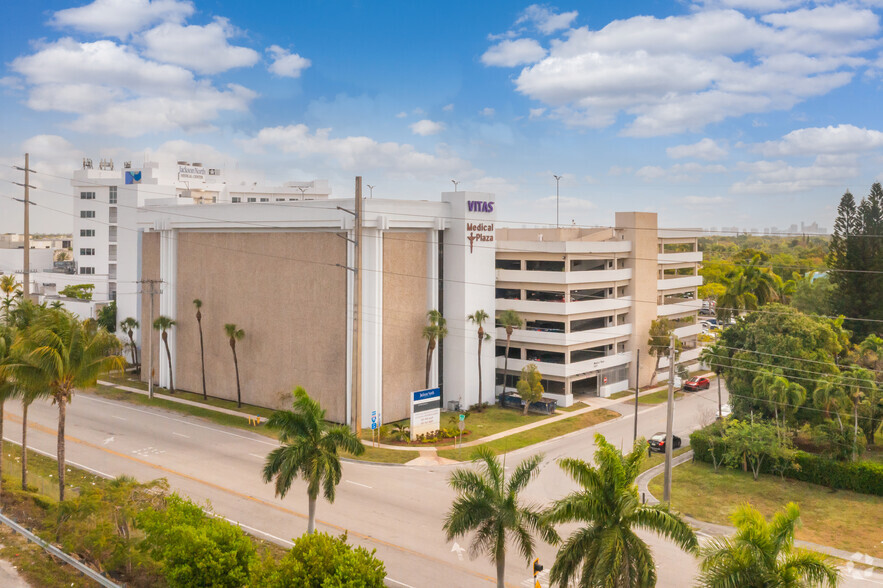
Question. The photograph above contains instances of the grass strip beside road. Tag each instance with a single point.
(841, 519)
(657, 397)
(657, 458)
(537, 435)
(382, 455)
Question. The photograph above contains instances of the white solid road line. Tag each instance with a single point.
(181, 435)
(119, 417)
(257, 456)
(188, 423)
(399, 583)
(357, 484)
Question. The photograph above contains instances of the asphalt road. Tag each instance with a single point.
(397, 510)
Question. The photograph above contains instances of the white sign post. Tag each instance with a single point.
(425, 412)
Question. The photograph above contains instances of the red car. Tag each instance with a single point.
(697, 383)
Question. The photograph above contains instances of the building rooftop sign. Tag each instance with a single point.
(189, 172)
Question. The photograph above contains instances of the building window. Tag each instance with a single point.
(508, 294)
(87, 232)
(87, 214)
(280, 200)
(508, 264)
(545, 266)
(265, 199)
(113, 195)
(87, 195)
(87, 251)
(252, 200)
(87, 270)
(237, 199)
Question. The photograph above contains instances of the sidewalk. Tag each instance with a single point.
(716, 530)
(250, 417)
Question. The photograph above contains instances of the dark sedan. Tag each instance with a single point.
(657, 442)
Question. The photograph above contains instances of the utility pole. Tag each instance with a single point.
(357, 313)
(669, 421)
(557, 202)
(637, 389)
(148, 329)
(720, 409)
(26, 256)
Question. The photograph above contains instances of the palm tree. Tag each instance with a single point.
(607, 552)
(715, 357)
(747, 288)
(61, 354)
(8, 389)
(310, 449)
(509, 320)
(762, 554)
(235, 335)
(10, 289)
(198, 304)
(128, 325)
(478, 317)
(436, 330)
(779, 392)
(659, 342)
(830, 397)
(163, 324)
(858, 384)
(489, 505)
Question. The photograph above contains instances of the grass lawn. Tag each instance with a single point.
(658, 397)
(841, 519)
(381, 455)
(573, 407)
(536, 435)
(622, 394)
(493, 419)
(657, 458)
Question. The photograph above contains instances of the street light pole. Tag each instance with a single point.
(370, 190)
(456, 183)
(557, 201)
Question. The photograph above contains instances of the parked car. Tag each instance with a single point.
(726, 410)
(697, 383)
(706, 312)
(657, 442)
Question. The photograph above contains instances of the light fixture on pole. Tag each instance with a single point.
(370, 190)
(456, 183)
(302, 189)
(557, 202)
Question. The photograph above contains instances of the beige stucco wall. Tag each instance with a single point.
(404, 315)
(149, 271)
(284, 291)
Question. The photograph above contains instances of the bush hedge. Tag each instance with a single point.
(865, 477)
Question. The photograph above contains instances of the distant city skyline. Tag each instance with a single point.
(710, 112)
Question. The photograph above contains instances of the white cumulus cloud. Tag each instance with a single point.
(706, 149)
(426, 127)
(830, 140)
(287, 64)
(512, 53)
(121, 18)
(546, 19)
(203, 49)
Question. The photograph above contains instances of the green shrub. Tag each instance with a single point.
(865, 477)
(321, 561)
(194, 549)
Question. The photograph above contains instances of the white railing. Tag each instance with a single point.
(688, 331)
(563, 370)
(685, 356)
(564, 308)
(561, 278)
(675, 283)
(683, 257)
(679, 307)
(563, 339)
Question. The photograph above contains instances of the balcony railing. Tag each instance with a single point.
(567, 370)
(564, 339)
(564, 277)
(564, 308)
(682, 282)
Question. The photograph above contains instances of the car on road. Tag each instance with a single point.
(657, 442)
(697, 383)
(726, 410)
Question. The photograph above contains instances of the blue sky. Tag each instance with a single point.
(752, 113)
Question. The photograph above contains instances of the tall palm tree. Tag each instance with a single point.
(310, 449)
(479, 317)
(509, 320)
(436, 330)
(829, 396)
(858, 384)
(235, 335)
(128, 325)
(198, 304)
(762, 554)
(489, 505)
(61, 354)
(780, 392)
(8, 388)
(27, 395)
(607, 552)
(716, 358)
(163, 324)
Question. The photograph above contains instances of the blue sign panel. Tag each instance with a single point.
(426, 395)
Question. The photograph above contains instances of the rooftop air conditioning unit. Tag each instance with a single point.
(214, 172)
(127, 165)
